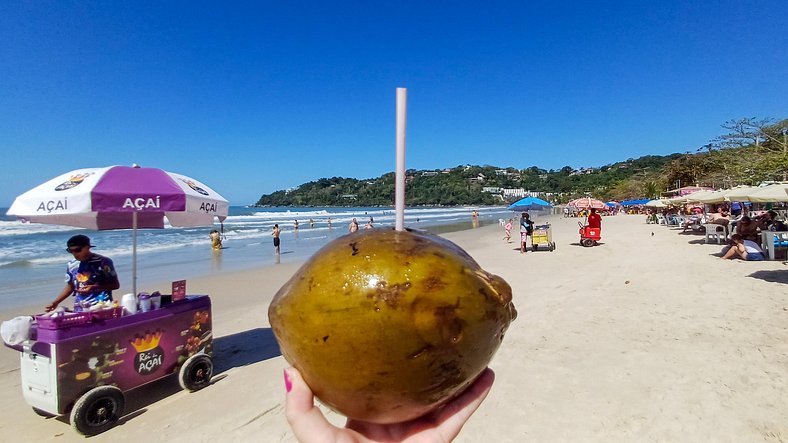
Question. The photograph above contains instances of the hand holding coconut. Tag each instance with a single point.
(309, 424)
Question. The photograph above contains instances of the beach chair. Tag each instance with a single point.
(772, 240)
(719, 232)
(661, 220)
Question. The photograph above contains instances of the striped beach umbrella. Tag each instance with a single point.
(587, 203)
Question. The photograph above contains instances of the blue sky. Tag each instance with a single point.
(260, 96)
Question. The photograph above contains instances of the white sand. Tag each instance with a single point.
(643, 338)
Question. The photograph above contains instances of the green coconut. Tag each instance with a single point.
(386, 326)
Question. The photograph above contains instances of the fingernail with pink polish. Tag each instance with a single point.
(288, 383)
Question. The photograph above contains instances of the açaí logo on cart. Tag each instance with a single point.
(149, 354)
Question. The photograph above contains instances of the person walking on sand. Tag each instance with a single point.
(526, 230)
(353, 227)
(90, 277)
(275, 233)
(216, 240)
(508, 229)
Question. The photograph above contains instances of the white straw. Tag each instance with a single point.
(399, 181)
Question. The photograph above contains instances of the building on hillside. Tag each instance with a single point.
(513, 192)
(491, 189)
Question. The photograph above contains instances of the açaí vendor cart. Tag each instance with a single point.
(83, 362)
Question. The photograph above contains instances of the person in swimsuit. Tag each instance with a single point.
(276, 233)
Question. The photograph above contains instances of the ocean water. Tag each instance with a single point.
(33, 256)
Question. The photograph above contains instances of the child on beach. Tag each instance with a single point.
(508, 229)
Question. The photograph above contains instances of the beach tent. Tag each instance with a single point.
(529, 204)
(641, 201)
(121, 197)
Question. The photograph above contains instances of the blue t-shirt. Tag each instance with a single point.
(97, 269)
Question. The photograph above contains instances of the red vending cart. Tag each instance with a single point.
(82, 363)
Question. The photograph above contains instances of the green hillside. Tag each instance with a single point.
(749, 152)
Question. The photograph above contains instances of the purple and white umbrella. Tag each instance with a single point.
(121, 197)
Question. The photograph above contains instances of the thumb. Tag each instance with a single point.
(307, 421)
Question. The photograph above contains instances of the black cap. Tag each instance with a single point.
(78, 240)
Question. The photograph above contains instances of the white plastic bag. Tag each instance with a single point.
(16, 330)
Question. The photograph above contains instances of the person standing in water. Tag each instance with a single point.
(216, 240)
(353, 227)
(276, 233)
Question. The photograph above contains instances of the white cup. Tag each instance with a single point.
(145, 304)
(129, 303)
(155, 301)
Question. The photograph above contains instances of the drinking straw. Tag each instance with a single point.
(399, 179)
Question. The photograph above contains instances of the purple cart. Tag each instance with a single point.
(84, 362)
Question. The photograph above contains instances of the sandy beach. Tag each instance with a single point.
(647, 337)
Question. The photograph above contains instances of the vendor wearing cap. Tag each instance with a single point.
(90, 277)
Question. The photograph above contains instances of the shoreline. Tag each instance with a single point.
(648, 336)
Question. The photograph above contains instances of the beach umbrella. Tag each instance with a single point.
(587, 203)
(658, 203)
(121, 197)
(529, 204)
(740, 193)
(696, 196)
(770, 194)
(712, 197)
(613, 203)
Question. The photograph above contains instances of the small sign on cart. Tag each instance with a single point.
(178, 290)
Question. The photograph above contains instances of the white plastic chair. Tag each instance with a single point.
(720, 232)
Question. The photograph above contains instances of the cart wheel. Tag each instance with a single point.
(98, 410)
(534, 248)
(595, 243)
(552, 246)
(196, 372)
(587, 242)
(43, 413)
